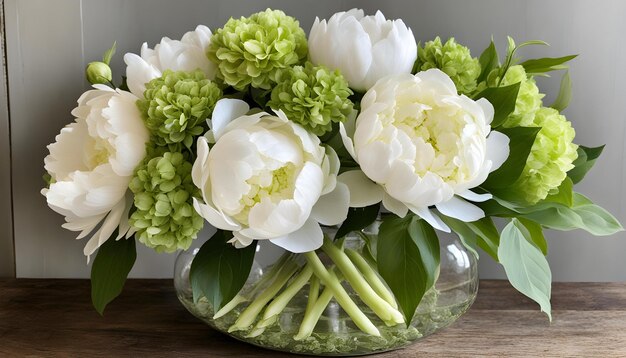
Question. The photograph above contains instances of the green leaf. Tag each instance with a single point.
(546, 64)
(521, 142)
(533, 232)
(510, 59)
(565, 93)
(219, 270)
(488, 236)
(503, 101)
(564, 194)
(427, 243)
(585, 161)
(400, 264)
(110, 269)
(488, 61)
(526, 267)
(358, 219)
(108, 55)
(465, 234)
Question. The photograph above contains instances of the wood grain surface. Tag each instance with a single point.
(49, 318)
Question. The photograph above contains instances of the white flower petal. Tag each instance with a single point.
(363, 191)
(395, 206)
(497, 149)
(226, 110)
(431, 218)
(308, 238)
(460, 209)
(347, 141)
(214, 217)
(332, 208)
(471, 196)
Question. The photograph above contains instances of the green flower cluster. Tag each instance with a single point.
(312, 96)
(253, 50)
(453, 59)
(176, 106)
(550, 158)
(165, 218)
(528, 98)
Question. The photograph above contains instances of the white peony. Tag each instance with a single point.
(92, 162)
(267, 178)
(188, 54)
(364, 48)
(419, 144)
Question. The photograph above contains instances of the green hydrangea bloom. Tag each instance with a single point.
(453, 59)
(251, 51)
(313, 97)
(176, 106)
(550, 158)
(165, 218)
(528, 98)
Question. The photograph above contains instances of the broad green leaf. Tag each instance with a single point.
(488, 61)
(533, 232)
(546, 64)
(585, 161)
(503, 101)
(219, 270)
(427, 243)
(400, 264)
(108, 55)
(110, 269)
(488, 236)
(358, 219)
(564, 194)
(464, 233)
(495, 208)
(598, 221)
(565, 93)
(526, 267)
(521, 142)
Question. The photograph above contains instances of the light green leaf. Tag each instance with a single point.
(526, 267)
(464, 233)
(585, 161)
(110, 269)
(546, 64)
(503, 101)
(108, 55)
(488, 61)
(219, 270)
(510, 59)
(565, 93)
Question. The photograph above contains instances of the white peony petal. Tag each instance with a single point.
(395, 206)
(138, 73)
(460, 209)
(214, 217)
(110, 223)
(487, 108)
(363, 191)
(497, 149)
(308, 238)
(431, 218)
(332, 208)
(240, 241)
(225, 111)
(471, 196)
(347, 141)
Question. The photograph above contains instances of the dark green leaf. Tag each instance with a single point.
(564, 194)
(585, 161)
(521, 141)
(503, 101)
(358, 219)
(547, 64)
(488, 236)
(110, 269)
(526, 267)
(465, 234)
(488, 61)
(565, 93)
(427, 243)
(400, 264)
(219, 270)
(533, 232)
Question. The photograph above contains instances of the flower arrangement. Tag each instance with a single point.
(267, 135)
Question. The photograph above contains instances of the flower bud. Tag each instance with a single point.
(98, 73)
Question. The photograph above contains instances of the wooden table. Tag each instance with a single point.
(55, 318)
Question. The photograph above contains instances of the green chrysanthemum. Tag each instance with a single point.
(453, 59)
(550, 158)
(251, 51)
(176, 106)
(528, 98)
(165, 218)
(312, 96)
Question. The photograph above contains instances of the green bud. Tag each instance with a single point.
(98, 73)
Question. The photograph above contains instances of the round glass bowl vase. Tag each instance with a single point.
(335, 333)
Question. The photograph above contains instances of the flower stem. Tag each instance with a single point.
(372, 277)
(249, 315)
(384, 310)
(331, 281)
(314, 291)
(238, 299)
(278, 304)
(313, 314)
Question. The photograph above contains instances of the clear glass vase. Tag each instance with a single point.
(335, 333)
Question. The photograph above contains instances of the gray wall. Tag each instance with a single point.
(49, 43)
